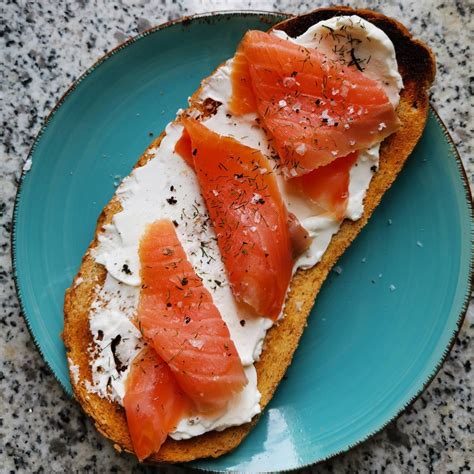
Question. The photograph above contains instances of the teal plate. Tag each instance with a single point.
(379, 330)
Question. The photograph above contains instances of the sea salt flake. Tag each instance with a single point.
(197, 343)
(282, 103)
(289, 82)
(255, 198)
(296, 107)
(325, 116)
(301, 149)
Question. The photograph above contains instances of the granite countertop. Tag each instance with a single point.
(45, 45)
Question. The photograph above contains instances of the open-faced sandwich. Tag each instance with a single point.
(195, 290)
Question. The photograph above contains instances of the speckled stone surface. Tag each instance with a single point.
(44, 46)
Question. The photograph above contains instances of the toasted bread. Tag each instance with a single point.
(417, 68)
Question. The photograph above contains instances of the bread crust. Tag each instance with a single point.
(417, 68)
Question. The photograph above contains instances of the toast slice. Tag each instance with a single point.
(417, 68)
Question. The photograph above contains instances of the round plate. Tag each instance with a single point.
(378, 331)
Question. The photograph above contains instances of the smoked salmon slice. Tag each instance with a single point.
(299, 236)
(315, 109)
(249, 217)
(242, 100)
(153, 402)
(328, 186)
(183, 148)
(176, 313)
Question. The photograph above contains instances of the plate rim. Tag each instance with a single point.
(185, 20)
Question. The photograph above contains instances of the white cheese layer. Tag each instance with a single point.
(166, 187)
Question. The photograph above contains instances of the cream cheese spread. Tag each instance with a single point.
(166, 187)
